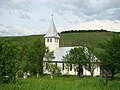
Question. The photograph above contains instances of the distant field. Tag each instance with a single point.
(71, 39)
(87, 38)
(92, 39)
(63, 83)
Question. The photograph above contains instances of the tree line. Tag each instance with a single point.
(79, 31)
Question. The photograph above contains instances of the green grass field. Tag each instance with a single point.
(88, 38)
(62, 83)
(70, 39)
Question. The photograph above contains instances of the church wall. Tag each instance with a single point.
(73, 71)
(96, 71)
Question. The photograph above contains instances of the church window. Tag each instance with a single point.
(50, 39)
(70, 67)
(63, 66)
(46, 66)
(47, 39)
(55, 39)
(56, 65)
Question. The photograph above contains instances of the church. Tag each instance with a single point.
(52, 40)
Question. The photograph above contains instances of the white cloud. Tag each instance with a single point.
(71, 14)
(18, 1)
(87, 9)
(16, 31)
(99, 24)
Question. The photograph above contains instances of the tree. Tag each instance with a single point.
(35, 54)
(49, 55)
(81, 57)
(76, 56)
(24, 63)
(67, 59)
(91, 61)
(110, 57)
(8, 61)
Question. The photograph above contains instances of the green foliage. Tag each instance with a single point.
(110, 57)
(80, 57)
(49, 55)
(79, 31)
(30, 55)
(8, 61)
(55, 70)
(92, 62)
(75, 56)
(35, 56)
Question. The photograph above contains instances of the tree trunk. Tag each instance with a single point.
(80, 70)
(112, 74)
(92, 73)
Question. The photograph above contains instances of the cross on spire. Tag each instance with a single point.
(52, 17)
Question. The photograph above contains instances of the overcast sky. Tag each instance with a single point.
(28, 17)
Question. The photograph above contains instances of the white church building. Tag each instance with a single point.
(52, 40)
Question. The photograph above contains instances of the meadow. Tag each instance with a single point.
(63, 83)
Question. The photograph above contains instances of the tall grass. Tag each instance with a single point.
(62, 83)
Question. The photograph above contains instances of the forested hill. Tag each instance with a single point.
(93, 39)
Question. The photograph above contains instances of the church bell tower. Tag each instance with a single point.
(52, 37)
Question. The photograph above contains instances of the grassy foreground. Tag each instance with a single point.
(62, 83)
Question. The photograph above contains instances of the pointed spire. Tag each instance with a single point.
(52, 32)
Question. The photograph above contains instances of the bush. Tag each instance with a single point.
(8, 61)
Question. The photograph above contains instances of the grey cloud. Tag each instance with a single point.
(44, 20)
(88, 9)
(15, 4)
(1, 25)
(112, 14)
(23, 15)
(9, 27)
(0, 13)
(11, 31)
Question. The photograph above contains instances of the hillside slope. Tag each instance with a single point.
(87, 38)
(93, 39)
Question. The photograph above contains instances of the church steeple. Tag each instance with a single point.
(52, 32)
(52, 37)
